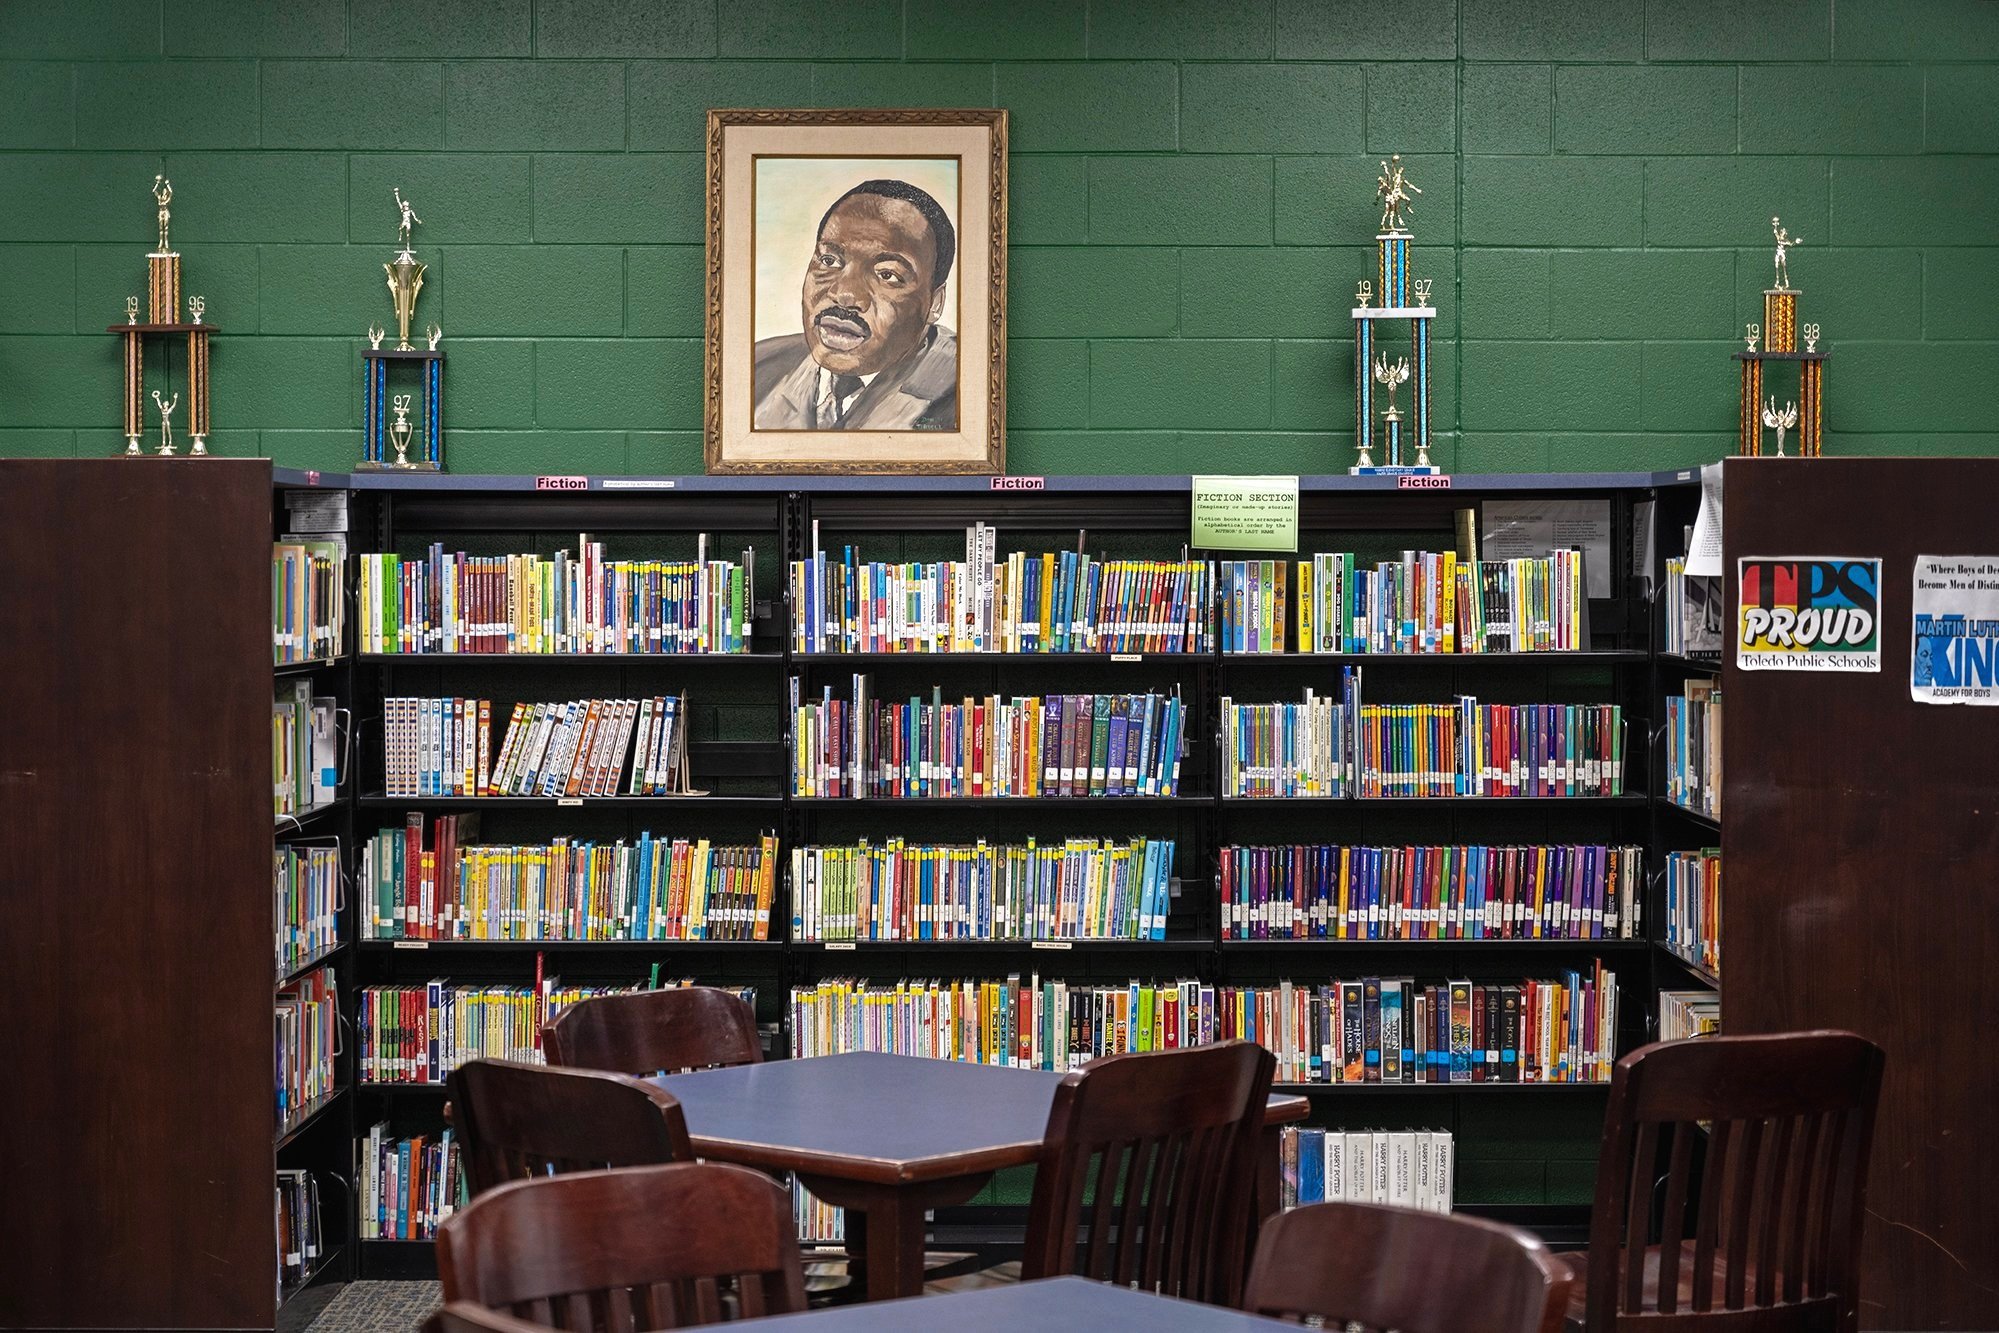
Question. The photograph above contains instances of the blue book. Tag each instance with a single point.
(1311, 1166)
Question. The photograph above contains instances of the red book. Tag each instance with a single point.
(413, 878)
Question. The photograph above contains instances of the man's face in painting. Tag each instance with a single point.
(869, 296)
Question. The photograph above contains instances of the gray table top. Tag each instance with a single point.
(1054, 1305)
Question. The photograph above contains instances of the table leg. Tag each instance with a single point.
(885, 1225)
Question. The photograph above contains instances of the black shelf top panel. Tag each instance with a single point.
(1687, 663)
(380, 802)
(998, 659)
(567, 659)
(305, 1116)
(439, 1088)
(1007, 487)
(566, 946)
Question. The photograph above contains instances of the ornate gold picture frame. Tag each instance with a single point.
(856, 291)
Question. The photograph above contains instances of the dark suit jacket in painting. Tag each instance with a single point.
(919, 394)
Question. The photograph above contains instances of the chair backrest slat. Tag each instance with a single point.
(1397, 1268)
(521, 1122)
(1781, 1127)
(656, 1031)
(1146, 1170)
(632, 1249)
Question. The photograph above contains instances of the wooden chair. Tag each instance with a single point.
(655, 1031)
(521, 1121)
(636, 1248)
(1767, 1237)
(465, 1317)
(1164, 1147)
(1395, 1268)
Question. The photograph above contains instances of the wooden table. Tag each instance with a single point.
(1053, 1305)
(889, 1137)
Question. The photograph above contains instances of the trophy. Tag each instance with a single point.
(1779, 333)
(405, 279)
(163, 317)
(1372, 366)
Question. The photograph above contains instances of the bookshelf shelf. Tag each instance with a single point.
(306, 1115)
(437, 1089)
(1001, 659)
(997, 802)
(1601, 657)
(329, 1259)
(1429, 1089)
(1692, 815)
(307, 667)
(567, 802)
(566, 946)
(1170, 944)
(1628, 801)
(1705, 976)
(289, 826)
(1710, 665)
(567, 659)
(1606, 946)
(318, 960)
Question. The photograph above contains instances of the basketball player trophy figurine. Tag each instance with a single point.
(1779, 332)
(405, 278)
(1373, 366)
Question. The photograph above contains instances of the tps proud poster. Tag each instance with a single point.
(1808, 613)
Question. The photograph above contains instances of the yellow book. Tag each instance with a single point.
(1047, 599)
(1304, 606)
(1447, 594)
(697, 897)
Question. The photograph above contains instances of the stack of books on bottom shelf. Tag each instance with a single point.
(419, 1034)
(307, 1022)
(1374, 1030)
(1688, 1013)
(1403, 1168)
(408, 1186)
(819, 1222)
(299, 1231)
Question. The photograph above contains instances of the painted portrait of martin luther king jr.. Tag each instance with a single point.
(868, 340)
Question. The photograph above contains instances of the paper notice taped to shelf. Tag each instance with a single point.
(1704, 551)
(1530, 529)
(1246, 513)
(1954, 656)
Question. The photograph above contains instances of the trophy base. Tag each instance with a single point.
(367, 466)
(1395, 471)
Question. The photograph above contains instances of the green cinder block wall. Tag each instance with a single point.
(1191, 207)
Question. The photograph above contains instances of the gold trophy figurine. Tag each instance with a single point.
(166, 449)
(1784, 242)
(400, 430)
(405, 273)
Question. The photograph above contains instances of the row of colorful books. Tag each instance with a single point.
(1693, 906)
(1054, 602)
(1323, 891)
(1693, 748)
(1401, 1168)
(301, 1230)
(1029, 746)
(452, 602)
(419, 1034)
(408, 1186)
(307, 606)
(819, 1222)
(1373, 1030)
(1080, 888)
(307, 1033)
(1688, 1013)
(649, 888)
(1423, 602)
(1283, 749)
(1471, 749)
(585, 747)
(305, 749)
(307, 885)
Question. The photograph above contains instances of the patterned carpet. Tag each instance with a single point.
(377, 1307)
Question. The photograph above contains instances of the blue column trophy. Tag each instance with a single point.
(378, 433)
(1373, 366)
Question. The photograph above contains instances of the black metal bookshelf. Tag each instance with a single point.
(739, 749)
